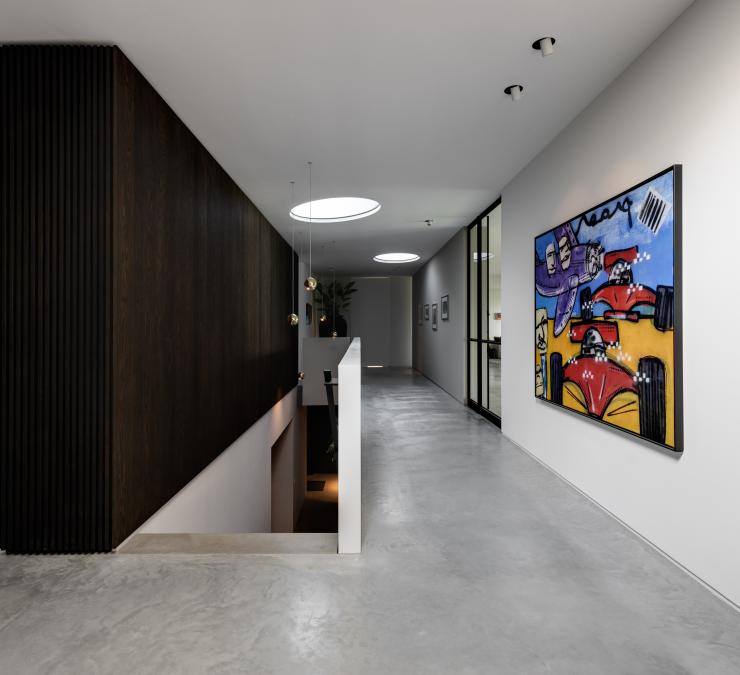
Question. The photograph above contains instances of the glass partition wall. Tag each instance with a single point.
(484, 313)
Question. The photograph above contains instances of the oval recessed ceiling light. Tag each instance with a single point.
(335, 209)
(396, 257)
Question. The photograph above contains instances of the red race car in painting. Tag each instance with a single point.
(600, 378)
(623, 295)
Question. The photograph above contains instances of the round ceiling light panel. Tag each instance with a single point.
(335, 209)
(396, 258)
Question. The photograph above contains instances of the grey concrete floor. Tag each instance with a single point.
(477, 560)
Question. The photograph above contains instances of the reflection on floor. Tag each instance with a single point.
(494, 386)
(319, 512)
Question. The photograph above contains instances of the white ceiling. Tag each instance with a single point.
(398, 100)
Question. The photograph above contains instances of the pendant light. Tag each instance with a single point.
(310, 283)
(293, 318)
(323, 318)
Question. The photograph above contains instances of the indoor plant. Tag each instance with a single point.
(333, 299)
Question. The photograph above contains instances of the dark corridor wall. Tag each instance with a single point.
(144, 302)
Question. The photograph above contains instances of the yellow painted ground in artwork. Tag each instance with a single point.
(636, 339)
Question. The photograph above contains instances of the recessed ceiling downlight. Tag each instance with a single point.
(335, 209)
(396, 257)
(515, 91)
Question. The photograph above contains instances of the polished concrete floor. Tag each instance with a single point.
(476, 560)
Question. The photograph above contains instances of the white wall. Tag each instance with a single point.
(440, 354)
(370, 319)
(678, 103)
(401, 322)
(320, 354)
(232, 494)
(283, 484)
(349, 534)
(380, 314)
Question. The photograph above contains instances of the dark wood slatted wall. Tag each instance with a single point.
(201, 297)
(144, 302)
(55, 130)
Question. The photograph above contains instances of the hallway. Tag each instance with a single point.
(476, 560)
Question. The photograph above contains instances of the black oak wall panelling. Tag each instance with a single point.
(201, 294)
(55, 126)
(144, 302)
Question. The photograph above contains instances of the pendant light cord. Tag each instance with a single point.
(300, 246)
(292, 250)
(310, 222)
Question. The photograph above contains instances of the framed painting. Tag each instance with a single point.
(434, 316)
(419, 315)
(426, 312)
(607, 312)
(445, 308)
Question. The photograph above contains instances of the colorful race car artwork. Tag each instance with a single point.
(607, 312)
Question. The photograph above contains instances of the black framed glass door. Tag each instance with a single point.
(484, 313)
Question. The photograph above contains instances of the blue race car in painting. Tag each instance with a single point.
(564, 269)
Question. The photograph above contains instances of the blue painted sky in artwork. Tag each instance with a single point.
(615, 233)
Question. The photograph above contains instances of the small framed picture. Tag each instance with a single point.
(445, 308)
(426, 312)
(434, 316)
(420, 315)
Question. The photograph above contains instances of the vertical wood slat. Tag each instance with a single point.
(55, 129)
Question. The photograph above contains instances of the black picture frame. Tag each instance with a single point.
(434, 316)
(426, 312)
(677, 206)
(445, 308)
